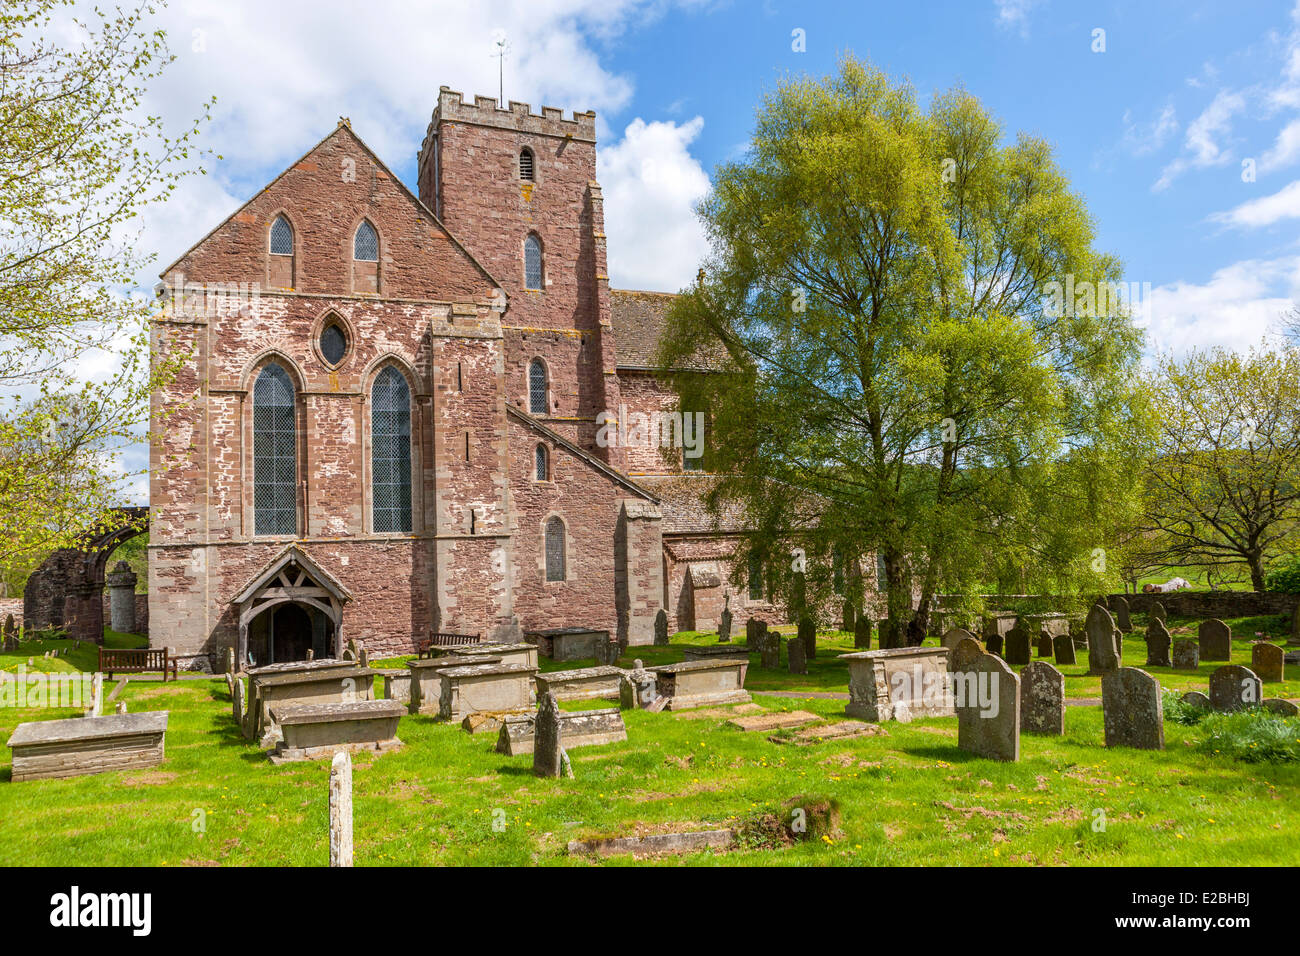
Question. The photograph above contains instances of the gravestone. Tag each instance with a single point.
(547, 746)
(1215, 640)
(1132, 710)
(1103, 653)
(862, 633)
(1123, 620)
(1158, 644)
(1042, 699)
(988, 708)
(341, 809)
(795, 653)
(724, 627)
(237, 703)
(1063, 646)
(849, 619)
(994, 644)
(1187, 655)
(363, 657)
(888, 634)
(1235, 688)
(1158, 611)
(751, 631)
(1017, 646)
(230, 660)
(96, 705)
(1268, 661)
(661, 628)
(808, 634)
(954, 636)
(636, 689)
(1280, 707)
(1196, 699)
(770, 651)
(965, 652)
(1044, 645)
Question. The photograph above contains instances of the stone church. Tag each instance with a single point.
(385, 411)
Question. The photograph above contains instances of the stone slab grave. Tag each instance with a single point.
(1235, 688)
(987, 692)
(773, 720)
(1132, 710)
(506, 653)
(397, 685)
(1186, 655)
(1063, 649)
(840, 730)
(426, 680)
(76, 746)
(654, 843)
(1053, 622)
(485, 688)
(1215, 640)
(702, 683)
(707, 652)
(1268, 661)
(313, 731)
(578, 728)
(1103, 644)
(1159, 643)
(582, 683)
(997, 624)
(568, 643)
(329, 685)
(1042, 700)
(899, 683)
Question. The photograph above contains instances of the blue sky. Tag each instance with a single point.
(1153, 131)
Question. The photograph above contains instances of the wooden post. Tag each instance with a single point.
(341, 809)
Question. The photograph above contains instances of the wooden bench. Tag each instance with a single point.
(136, 661)
(425, 647)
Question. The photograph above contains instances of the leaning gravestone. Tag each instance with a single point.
(808, 634)
(795, 653)
(1268, 661)
(1187, 655)
(1158, 644)
(237, 703)
(547, 748)
(1123, 620)
(862, 633)
(994, 644)
(1017, 646)
(952, 637)
(991, 731)
(1158, 611)
(1215, 639)
(1235, 688)
(661, 628)
(1063, 648)
(1103, 654)
(1044, 646)
(1042, 699)
(724, 628)
(1132, 710)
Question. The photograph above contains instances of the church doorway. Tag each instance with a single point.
(286, 632)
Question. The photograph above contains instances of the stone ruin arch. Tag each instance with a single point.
(67, 590)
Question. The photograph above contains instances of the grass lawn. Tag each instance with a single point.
(909, 798)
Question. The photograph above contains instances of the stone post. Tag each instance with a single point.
(547, 748)
(121, 598)
(341, 809)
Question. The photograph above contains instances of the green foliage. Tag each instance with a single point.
(1284, 576)
(1180, 711)
(1255, 735)
(898, 381)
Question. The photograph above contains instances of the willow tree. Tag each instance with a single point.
(905, 378)
(79, 159)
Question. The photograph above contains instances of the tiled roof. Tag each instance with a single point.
(639, 319)
(681, 499)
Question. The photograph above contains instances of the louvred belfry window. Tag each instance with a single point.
(555, 550)
(526, 165)
(275, 454)
(390, 452)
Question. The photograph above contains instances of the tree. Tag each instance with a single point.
(903, 381)
(1223, 486)
(79, 160)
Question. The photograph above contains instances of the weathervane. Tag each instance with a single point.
(502, 49)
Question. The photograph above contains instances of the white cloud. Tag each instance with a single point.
(1143, 138)
(1014, 14)
(1265, 211)
(651, 184)
(1203, 142)
(1235, 309)
(1285, 150)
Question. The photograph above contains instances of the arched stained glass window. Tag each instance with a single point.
(390, 452)
(281, 237)
(537, 387)
(555, 550)
(533, 263)
(542, 469)
(365, 246)
(275, 453)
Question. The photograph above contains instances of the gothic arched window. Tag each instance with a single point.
(390, 452)
(279, 271)
(537, 387)
(275, 453)
(541, 466)
(533, 263)
(555, 550)
(365, 245)
(281, 237)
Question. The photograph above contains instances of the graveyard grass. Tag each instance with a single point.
(909, 798)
